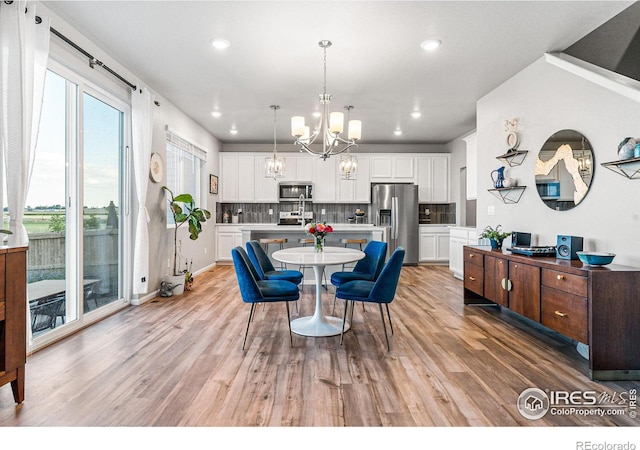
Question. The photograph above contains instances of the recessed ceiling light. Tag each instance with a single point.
(431, 44)
(397, 132)
(219, 43)
(416, 114)
(233, 131)
(216, 114)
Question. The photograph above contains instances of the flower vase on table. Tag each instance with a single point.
(318, 231)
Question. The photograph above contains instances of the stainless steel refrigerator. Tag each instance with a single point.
(396, 206)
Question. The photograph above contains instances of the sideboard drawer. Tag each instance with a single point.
(474, 278)
(473, 257)
(574, 284)
(566, 313)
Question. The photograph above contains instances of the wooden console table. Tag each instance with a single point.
(13, 318)
(598, 306)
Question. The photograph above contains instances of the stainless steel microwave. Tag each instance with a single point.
(294, 191)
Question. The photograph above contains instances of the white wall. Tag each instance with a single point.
(548, 99)
(161, 238)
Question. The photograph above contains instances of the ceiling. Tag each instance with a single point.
(375, 63)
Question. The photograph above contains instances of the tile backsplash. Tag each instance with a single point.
(333, 212)
(259, 212)
(430, 213)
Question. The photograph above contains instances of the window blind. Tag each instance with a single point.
(185, 145)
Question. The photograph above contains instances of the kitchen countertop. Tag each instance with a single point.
(294, 228)
(445, 225)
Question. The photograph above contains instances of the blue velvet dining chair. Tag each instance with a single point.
(382, 291)
(264, 267)
(368, 268)
(254, 291)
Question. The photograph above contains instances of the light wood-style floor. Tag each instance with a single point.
(178, 362)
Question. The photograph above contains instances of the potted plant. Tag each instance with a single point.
(184, 210)
(496, 236)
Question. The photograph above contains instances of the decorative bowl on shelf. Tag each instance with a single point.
(359, 212)
(595, 258)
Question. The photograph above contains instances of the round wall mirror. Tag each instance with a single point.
(564, 170)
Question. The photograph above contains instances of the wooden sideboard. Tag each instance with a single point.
(598, 306)
(13, 318)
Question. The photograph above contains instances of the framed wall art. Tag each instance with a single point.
(213, 184)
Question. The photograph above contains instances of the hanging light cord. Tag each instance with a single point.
(275, 123)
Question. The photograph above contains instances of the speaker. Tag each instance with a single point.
(568, 246)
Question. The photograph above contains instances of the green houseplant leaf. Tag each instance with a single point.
(494, 233)
(185, 213)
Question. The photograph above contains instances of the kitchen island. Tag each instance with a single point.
(295, 232)
(231, 235)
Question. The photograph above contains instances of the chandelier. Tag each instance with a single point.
(330, 127)
(274, 165)
(348, 167)
(584, 162)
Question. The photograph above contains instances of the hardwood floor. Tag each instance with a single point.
(178, 362)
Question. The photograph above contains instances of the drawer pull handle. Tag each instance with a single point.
(560, 277)
(471, 255)
(506, 284)
(472, 278)
(560, 313)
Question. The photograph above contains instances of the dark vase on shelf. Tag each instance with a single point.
(495, 244)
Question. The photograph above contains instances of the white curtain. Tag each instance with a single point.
(23, 61)
(141, 124)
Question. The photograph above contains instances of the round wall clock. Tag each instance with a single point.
(156, 167)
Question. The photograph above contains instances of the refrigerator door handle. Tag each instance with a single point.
(395, 217)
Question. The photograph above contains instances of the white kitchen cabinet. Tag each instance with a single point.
(228, 178)
(433, 178)
(358, 190)
(434, 244)
(459, 237)
(396, 168)
(325, 180)
(304, 167)
(265, 189)
(227, 237)
(297, 166)
(237, 175)
(472, 166)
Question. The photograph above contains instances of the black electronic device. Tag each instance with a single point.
(534, 251)
(520, 239)
(568, 246)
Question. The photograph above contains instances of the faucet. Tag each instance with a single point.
(301, 209)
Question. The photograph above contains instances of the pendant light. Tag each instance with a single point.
(274, 165)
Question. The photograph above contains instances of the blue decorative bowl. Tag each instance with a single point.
(595, 258)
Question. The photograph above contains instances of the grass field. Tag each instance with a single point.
(38, 222)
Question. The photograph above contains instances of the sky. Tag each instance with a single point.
(101, 137)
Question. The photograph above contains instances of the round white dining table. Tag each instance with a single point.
(318, 325)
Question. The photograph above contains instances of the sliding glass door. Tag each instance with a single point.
(103, 147)
(73, 216)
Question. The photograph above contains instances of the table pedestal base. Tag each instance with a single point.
(318, 327)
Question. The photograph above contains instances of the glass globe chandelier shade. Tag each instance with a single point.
(274, 165)
(331, 125)
(348, 167)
